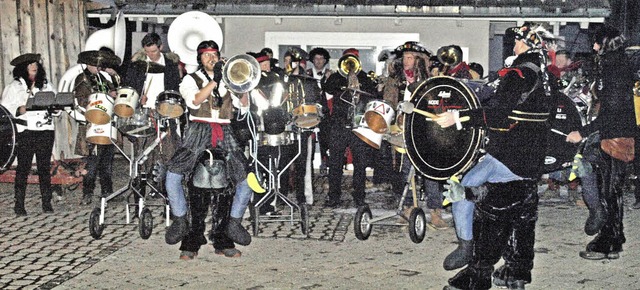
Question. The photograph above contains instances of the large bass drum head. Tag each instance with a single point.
(435, 152)
(7, 139)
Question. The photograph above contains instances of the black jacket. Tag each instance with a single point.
(336, 85)
(614, 89)
(518, 144)
(136, 75)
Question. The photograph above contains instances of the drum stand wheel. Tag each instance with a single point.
(417, 225)
(363, 221)
(145, 226)
(95, 226)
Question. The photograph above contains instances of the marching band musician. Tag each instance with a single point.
(408, 70)
(321, 71)
(99, 158)
(37, 136)
(504, 181)
(141, 74)
(152, 72)
(349, 92)
(307, 91)
(615, 120)
(210, 108)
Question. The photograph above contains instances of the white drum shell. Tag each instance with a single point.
(126, 102)
(102, 134)
(100, 109)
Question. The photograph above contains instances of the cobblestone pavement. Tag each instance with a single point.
(56, 251)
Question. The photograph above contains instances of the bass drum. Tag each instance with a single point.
(8, 134)
(435, 152)
(567, 117)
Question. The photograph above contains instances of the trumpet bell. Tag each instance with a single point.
(349, 63)
(241, 73)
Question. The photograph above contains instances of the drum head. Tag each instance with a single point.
(566, 118)
(8, 134)
(435, 152)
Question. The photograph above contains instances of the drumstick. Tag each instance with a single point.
(426, 114)
(148, 85)
(559, 132)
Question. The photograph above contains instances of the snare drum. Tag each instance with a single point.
(565, 119)
(126, 102)
(103, 134)
(139, 125)
(170, 104)
(378, 115)
(307, 115)
(366, 134)
(282, 139)
(100, 109)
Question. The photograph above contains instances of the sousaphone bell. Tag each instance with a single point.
(241, 73)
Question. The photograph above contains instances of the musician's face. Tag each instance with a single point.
(209, 59)
(32, 69)
(596, 47)
(520, 47)
(265, 65)
(319, 61)
(408, 60)
(562, 61)
(93, 69)
(153, 52)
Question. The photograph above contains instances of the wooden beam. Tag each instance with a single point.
(41, 33)
(56, 34)
(9, 33)
(26, 26)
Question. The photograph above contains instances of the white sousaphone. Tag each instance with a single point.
(187, 31)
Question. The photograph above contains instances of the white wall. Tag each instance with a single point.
(242, 34)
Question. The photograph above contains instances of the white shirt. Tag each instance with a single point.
(157, 84)
(189, 89)
(15, 95)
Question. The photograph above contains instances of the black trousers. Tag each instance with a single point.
(611, 175)
(40, 144)
(362, 153)
(99, 165)
(503, 226)
(200, 200)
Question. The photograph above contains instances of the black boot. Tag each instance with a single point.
(176, 232)
(471, 278)
(237, 233)
(595, 221)
(460, 256)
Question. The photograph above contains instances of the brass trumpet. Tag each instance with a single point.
(349, 64)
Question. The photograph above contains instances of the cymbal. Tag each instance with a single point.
(99, 58)
(359, 91)
(150, 67)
